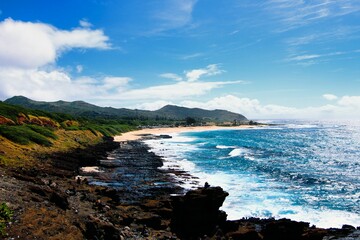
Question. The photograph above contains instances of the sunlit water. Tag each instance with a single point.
(305, 171)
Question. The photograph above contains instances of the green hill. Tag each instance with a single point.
(83, 109)
(175, 112)
(76, 108)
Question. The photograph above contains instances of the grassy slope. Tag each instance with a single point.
(21, 144)
(18, 155)
(12, 111)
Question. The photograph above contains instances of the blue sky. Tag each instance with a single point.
(265, 59)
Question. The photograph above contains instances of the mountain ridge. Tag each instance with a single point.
(88, 110)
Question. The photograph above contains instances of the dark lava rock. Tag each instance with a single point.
(150, 220)
(197, 213)
(60, 200)
(99, 229)
(133, 171)
(245, 233)
(56, 197)
(284, 229)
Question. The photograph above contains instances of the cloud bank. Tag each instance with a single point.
(28, 54)
(32, 45)
(347, 107)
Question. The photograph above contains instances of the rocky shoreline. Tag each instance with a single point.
(129, 198)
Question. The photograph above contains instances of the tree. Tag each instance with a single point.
(190, 121)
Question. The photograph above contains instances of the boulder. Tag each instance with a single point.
(197, 212)
(97, 228)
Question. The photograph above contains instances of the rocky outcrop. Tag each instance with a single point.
(70, 123)
(197, 213)
(42, 121)
(22, 119)
(6, 121)
(47, 122)
(36, 120)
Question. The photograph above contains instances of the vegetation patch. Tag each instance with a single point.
(5, 218)
(45, 131)
(24, 135)
(108, 130)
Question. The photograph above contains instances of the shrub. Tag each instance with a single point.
(5, 217)
(72, 128)
(24, 135)
(47, 132)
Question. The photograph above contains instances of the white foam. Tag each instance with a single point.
(249, 197)
(283, 209)
(224, 147)
(172, 151)
(239, 152)
(90, 169)
(301, 126)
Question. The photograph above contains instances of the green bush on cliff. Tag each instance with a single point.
(5, 217)
(45, 131)
(108, 130)
(24, 135)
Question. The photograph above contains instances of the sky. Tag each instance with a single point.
(266, 59)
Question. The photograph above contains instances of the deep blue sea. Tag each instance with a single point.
(302, 170)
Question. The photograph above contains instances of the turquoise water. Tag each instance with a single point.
(305, 171)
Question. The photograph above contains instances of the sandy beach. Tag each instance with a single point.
(136, 135)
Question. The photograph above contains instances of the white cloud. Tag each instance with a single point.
(56, 84)
(30, 45)
(304, 57)
(210, 70)
(115, 84)
(85, 23)
(297, 13)
(174, 14)
(253, 109)
(310, 59)
(191, 56)
(28, 53)
(338, 33)
(195, 74)
(172, 76)
(79, 38)
(330, 97)
(79, 68)
(47, 85)
(175, 91)
(153, 105)
(350, 101)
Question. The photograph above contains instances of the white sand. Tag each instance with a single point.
(135, 135)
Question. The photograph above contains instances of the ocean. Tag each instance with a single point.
(302, 170)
